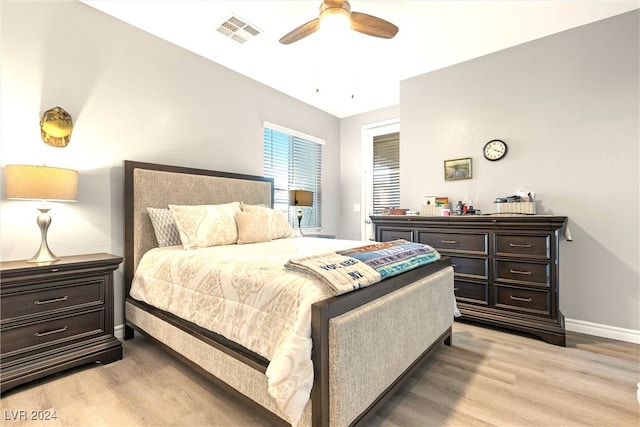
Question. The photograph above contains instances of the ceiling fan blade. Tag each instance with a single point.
(372, 26)
(301, 32)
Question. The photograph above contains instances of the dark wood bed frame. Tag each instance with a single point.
(322, 312)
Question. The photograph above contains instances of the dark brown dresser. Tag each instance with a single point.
(56, 316)
(506, 266)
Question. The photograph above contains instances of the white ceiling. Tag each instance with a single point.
(356, 73)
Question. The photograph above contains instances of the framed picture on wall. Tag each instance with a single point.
(457, 169)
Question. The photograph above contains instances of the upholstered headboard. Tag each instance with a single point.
(157, 186)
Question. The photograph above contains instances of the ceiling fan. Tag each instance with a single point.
(340, 9)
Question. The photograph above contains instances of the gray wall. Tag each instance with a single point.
(567, 105)
(132, 96)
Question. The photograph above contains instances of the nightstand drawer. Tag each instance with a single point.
(49, 332)
(523, 246)
(524, 300)
(523, 272)
(59, 296)
(455, 242)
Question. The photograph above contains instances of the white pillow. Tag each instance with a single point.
(280, 227)
(203, 226)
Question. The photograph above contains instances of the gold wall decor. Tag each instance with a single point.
(55, 127)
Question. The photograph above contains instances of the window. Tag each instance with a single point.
(294, 160)
(386, 172)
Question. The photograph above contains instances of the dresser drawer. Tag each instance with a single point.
(473, 268)
(524, 300)
(387, 235)
(523, 246)
(51, 298)
(471, 292)
(455, 242)
(523, 272)
(52, 331)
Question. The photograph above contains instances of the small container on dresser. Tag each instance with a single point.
(56, 316)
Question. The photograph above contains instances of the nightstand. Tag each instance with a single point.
(56, 316)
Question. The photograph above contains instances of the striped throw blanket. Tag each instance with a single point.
(352, 269)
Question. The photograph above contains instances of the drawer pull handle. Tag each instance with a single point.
(49, 301)
(450, 242)
(520, 299)
(528, 273)
(518, 245)
(456, 289)
(454, 265)
(55, 331)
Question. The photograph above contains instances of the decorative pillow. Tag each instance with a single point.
(280, 227)
(253, 227)
(165, 227)
(203, 226)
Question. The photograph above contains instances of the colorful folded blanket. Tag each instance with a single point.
(352, 269)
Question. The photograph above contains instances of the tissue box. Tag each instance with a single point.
(516, 207)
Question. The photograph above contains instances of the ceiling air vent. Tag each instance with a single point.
(238, 29)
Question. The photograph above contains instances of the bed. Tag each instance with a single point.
(364, 343)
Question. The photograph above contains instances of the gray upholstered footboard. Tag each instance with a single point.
(372, 346)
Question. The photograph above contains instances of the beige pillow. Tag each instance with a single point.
(203, 226)
(280, 227)
(253, 227)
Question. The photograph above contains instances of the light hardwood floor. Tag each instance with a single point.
(487, 378)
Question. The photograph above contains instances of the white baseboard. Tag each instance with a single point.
(118, 332)
(604, 331)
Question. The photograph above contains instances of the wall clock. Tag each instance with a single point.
(495, 150)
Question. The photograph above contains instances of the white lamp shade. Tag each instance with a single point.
(40, 183)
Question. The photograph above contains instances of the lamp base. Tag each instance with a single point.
(299, 230)
(44, 254)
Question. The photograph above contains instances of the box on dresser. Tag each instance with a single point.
(55, 316)
(506, 266)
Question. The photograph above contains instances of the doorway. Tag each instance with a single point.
(369, 133)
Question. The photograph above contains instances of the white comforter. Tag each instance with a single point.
(244, 293)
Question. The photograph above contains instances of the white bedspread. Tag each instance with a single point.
(244, 293)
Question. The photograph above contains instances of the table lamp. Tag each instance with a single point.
(300, 198)
(44, 183)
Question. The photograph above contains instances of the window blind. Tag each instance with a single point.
(295, 163)
(386, 172)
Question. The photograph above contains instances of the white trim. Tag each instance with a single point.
(368, 132)
(118, 332)
(604, 331)
(288, 131)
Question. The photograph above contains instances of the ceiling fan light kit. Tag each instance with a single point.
(340, 10)
(333, 17)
